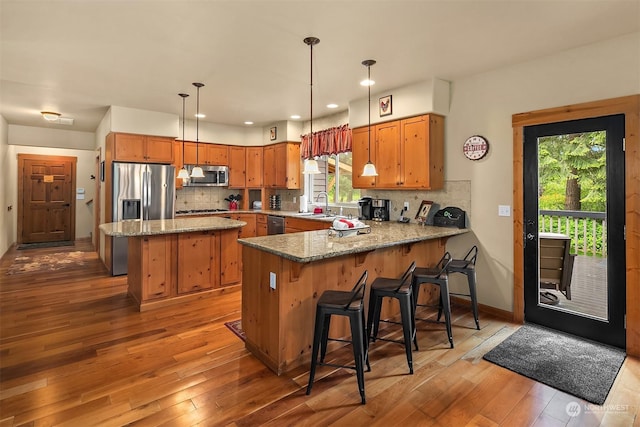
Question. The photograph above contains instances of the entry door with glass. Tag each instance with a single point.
(574, 264)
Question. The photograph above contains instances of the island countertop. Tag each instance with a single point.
(310, 246)
(136, 227)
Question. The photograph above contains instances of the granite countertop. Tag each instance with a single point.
(292, 214)
(136, 227)
(311, 246)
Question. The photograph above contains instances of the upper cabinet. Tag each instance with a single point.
(237, 167)
(204, 153)
(408, 154)
(254, 167)
(281, 164)
(142, 148)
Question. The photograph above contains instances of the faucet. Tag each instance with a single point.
(326, 200)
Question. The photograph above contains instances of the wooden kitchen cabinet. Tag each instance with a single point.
(261, 225)
(141, 148)
(281, 163)
(237, 167)
(199, 260)
(151, 271)
(230, 258)
(254, 167)
(204, 153)
(408, 154)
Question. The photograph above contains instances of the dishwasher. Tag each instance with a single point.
(275, 225)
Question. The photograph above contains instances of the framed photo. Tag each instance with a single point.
(273, 133)
(423, 211)
(385, 106)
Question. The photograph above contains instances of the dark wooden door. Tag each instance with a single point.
(47, 186)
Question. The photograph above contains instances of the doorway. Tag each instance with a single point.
(46, 189)
(574, 216)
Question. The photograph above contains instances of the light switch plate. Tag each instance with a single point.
(272, 280)
(504, 210)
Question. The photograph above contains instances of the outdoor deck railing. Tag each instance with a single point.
(588, 230)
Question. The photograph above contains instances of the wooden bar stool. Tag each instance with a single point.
(351, 305)
(467, 266)
(436, 275)
(400, 289)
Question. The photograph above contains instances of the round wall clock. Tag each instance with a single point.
(475, 147)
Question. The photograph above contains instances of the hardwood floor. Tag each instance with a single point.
(74, 351)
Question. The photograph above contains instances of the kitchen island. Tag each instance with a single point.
(285, 274)
(176, 260)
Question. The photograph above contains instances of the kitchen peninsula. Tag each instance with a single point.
(289, 272)
(176, 260)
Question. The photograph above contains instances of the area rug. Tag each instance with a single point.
(49, 262)
(236, 328)
(582, 368)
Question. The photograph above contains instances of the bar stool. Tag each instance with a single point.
(400, 289)
(467, 266)
(351, 305)
(436, 275)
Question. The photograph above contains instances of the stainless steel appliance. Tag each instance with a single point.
(380, 209)
(275, 225)
(214, 176)
(140, 191)
(365, 208)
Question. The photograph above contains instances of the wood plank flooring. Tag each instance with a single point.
(75, 352)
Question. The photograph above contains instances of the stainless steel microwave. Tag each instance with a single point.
(214, 176)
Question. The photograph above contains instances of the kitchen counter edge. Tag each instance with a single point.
(133, 228)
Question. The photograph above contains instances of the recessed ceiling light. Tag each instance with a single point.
(50, 116)
(295, 117)
(367, 82)
(248, 122)
(200, 116)
(332, 105)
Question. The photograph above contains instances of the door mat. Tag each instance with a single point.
(50, 262)
(236, 328)
(44, 245)
(583, 368)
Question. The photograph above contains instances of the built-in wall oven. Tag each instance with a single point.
(275, 225)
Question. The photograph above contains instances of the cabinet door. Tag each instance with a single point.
(198, 261)
(269, 164)
(230, 258)
(360, 156)
(157, 270)
(261, 225)
(248, 230)
(177, 161)
(422, 152)
(191, 153)
(281, 165)
(216, 154)
(237, 167)
(388, 155)
(292, 179)
(129, 148)
(159, 150)
(254, 167)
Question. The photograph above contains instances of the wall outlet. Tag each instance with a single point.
(406, 205)
(272, 280)
(504, 210)
(295, 199)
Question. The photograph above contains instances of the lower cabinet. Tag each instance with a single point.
(230, 258)
(261, 225)
(151, 273)
(198, 261)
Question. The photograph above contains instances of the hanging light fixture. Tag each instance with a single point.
(369, 168)
(311, 165)
(197, 171)
(183, 173)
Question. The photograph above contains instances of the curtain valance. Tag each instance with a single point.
(326, 142)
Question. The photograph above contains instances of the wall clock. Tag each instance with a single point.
(475, 147)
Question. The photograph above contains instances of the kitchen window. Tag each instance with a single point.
(334, 178)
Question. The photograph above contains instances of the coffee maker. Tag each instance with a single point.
(365, 209)
(380, 209)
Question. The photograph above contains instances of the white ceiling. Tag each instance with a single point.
(80, 57)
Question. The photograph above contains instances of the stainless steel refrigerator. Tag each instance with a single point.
(140, 191)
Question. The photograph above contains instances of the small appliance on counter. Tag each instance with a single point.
(257, 205)
(450, 217)
(380, 209)
(365, 209)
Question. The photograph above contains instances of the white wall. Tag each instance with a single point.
(483, 104)
(6, 218)
(50, 137)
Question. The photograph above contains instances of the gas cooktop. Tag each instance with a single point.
(198, 211)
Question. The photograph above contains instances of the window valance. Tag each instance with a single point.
(330, 141)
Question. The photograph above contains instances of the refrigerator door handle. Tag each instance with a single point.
(145, 194)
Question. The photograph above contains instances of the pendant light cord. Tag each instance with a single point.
(369, 108)
(198, 86)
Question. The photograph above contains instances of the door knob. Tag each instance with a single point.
(531, 236)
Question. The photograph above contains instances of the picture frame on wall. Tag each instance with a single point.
(385, 106)
(423, 211)
(273, 133)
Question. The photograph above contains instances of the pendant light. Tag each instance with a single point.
(197, 171)
(183, 173)
(311, 165)
(369, 168)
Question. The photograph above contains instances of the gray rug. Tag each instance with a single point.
(565, 362)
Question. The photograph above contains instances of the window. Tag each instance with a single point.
(334, 178)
